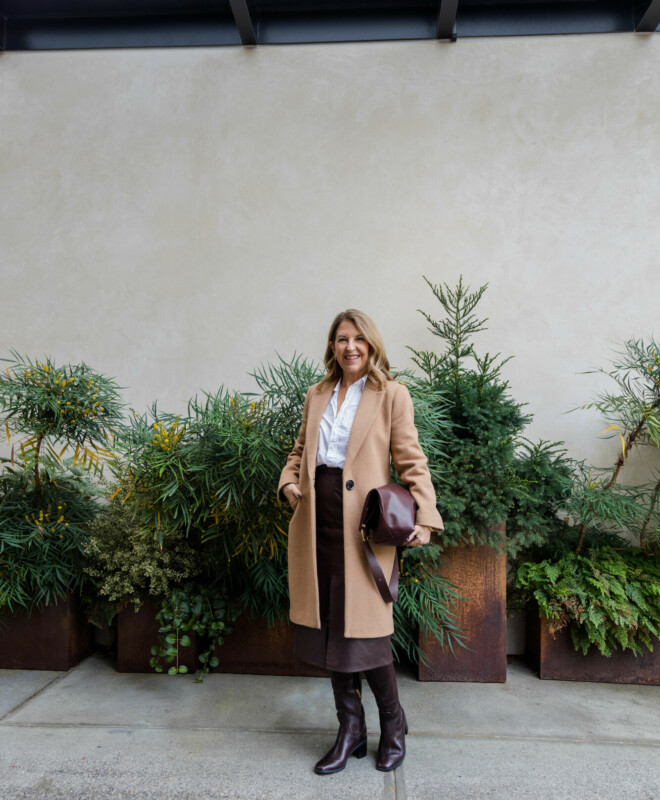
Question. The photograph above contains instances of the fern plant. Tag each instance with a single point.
(608, 599)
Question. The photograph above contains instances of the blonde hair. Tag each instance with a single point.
(378, 366)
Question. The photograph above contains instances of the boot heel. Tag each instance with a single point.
(361, 750)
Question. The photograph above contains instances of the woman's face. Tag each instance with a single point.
(351, 351)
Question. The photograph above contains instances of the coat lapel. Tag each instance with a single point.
(317, 404)
(365, 415)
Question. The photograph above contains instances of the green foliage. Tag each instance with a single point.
(283, 388)
(125, 565)
(42, 535)
(199, 608)
(208, 477)
(262, 587)
(209, 474)
(426, 605)
(476, 478)
(431, 420)
(609, 599)
(59, 421)
(633, 414)
(636, 404)
(58, 408)
(545, 481)
(596, 503)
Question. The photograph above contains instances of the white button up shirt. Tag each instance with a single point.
(336, 427)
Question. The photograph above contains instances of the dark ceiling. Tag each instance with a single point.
(75, 24)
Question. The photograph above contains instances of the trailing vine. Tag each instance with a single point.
(194, 608)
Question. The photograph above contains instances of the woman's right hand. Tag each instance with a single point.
(292, 494)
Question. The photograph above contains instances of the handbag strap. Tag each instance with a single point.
(390, 594)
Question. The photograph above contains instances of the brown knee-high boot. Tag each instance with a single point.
(393, 725)
(352, 734)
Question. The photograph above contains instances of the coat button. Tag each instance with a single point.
(349, 485)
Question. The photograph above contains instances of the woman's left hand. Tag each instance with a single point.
(421, 535)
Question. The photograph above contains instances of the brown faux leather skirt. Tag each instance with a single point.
(327, 647)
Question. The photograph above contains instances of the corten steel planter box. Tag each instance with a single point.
(137, 633)
(555, 658)
(57, 638)
(253, 647)
(479, 574)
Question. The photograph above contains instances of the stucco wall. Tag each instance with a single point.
(173, 217)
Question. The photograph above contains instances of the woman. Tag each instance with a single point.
(354, 421)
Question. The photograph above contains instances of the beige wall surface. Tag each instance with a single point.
(174, 217)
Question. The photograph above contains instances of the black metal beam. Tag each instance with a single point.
(650, 19)
(68, 24)
(447, 19)
(544, 17)
(241, 12)
(348, 26)
(203, 30)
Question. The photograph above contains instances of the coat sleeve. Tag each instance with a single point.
(291, 471)
(409, 460)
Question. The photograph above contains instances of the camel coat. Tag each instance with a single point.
(383, 428)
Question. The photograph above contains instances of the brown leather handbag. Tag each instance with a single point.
(388, 517)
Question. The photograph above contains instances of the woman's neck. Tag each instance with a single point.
(348, 380)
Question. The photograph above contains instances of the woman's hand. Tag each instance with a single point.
(421, 535)
(292, 494)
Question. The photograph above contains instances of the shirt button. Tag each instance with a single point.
(349, 485)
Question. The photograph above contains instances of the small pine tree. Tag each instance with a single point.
(476, 479)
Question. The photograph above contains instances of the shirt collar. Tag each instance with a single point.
(358, 384)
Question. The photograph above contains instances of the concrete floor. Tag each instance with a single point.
(93, 733)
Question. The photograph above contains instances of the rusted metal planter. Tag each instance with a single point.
(137, 633)
(479, 573)
(555, 658)
(255, 648)
(252, 648)
(57, 638)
